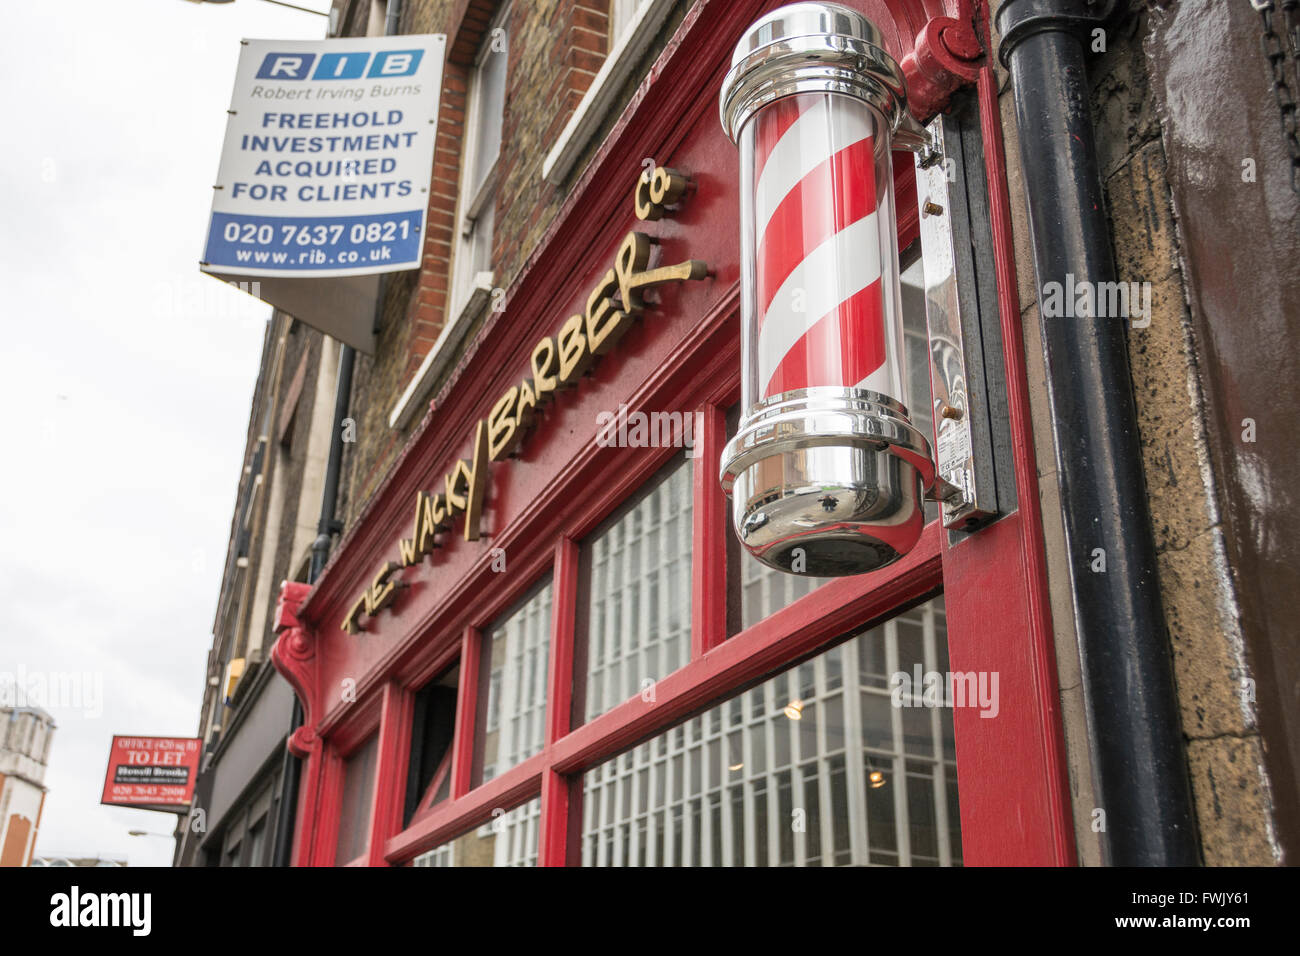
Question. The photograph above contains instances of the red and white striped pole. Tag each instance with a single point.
(821, 204)
(826, 473)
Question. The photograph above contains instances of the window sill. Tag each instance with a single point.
(440, 355)
(607, 83)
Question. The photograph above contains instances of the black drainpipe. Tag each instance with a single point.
(1139, 763)
(282, 853)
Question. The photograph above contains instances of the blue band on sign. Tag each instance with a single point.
(297, 243)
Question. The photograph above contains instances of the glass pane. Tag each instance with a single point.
(256, 841)
(517, 646)
(509, 839)
(433, 727)
(916, 349)
(817, 766)
(358, 791)
(916, 345)
(638, 622)
(489, 101)
(764, 590)
(620, 18)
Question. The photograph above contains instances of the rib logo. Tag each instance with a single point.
(339, 66)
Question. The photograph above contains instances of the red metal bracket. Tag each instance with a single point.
(947, 56)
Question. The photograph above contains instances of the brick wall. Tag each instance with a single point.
(555, 49)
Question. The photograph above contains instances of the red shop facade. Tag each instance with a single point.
(540, 641)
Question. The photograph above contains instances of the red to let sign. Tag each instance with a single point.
(154, 773)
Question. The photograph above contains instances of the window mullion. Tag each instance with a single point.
(561, 795)
(709, 530)
(902, 830)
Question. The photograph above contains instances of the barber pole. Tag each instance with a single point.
(823, 315)
(826, 472)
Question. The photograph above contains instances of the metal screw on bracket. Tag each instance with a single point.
(931, 208)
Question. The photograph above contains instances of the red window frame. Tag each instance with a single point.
(1011, 770)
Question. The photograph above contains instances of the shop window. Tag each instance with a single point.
(509, 839)
(478, 180)
(433, 725)
(516, 650)
(636, 592)
(814, 767)
(231, 854)
(243, 840)
(765, 591)
(257, 842)
(358, 796)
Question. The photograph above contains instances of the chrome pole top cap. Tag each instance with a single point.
(803, 20)
(811, 48)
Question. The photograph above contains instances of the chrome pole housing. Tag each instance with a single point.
(826, 473)
(821, 48)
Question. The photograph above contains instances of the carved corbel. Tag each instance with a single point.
(294, 656)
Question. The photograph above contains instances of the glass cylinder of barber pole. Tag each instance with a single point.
(826, 472)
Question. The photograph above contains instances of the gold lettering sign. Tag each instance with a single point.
(657, 188)
(375, 598)
(556, 363)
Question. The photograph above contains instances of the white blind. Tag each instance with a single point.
(639, 622)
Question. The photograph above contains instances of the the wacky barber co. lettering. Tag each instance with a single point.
(557, 362)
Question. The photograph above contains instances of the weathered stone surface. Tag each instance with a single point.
(1196, 590)
(1232, 804)
(1207, 663)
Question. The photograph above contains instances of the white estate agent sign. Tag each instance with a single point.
(325, 174)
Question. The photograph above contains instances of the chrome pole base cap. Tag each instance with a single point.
(828, 481)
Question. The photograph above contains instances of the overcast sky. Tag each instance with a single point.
(127, 377)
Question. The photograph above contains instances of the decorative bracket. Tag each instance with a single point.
(294, 656)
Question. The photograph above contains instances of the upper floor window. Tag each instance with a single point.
(376, 20)
(621, 15)
(633, 26)
(478, 178)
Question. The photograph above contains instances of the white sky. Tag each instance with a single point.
(127, 375)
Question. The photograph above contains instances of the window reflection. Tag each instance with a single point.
(517, 646)
(508, 839)
(358, 794)
(803, 770)
(638, 622)
(433, 727)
